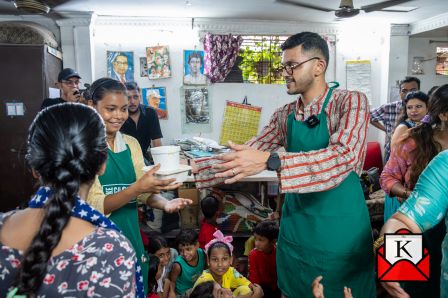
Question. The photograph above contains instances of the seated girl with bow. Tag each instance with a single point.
(219, 253)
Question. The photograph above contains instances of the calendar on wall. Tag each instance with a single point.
(240, 123)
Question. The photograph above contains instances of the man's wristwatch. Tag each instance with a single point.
(273, 163)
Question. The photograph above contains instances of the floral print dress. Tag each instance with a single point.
(428, 205)
(99, 265)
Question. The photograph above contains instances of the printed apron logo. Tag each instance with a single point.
(402, 257)
(110, 189)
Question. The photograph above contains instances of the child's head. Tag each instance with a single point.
(154, 272)
(210, 289)
(159, 247)
(187, 242)
(219, 252)
(210, 207)
(265, 233)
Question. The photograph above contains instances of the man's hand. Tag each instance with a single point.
(244, 161)
(394, 289)
(176, 205)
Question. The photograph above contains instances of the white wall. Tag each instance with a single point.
(421, 47)
(372, 43)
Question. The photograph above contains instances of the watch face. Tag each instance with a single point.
(273, 162)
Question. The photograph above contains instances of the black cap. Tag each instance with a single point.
(67, 73)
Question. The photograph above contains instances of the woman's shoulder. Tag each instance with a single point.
(441, 158)
(120, 243)
(129, 139)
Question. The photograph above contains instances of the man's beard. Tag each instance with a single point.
(133, 112)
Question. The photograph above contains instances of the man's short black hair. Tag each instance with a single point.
(409, 80)
(311, 43)
(131, 86)
(268, 229)
(209, 206)
(187, 237)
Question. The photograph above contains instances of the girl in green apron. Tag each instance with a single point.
(116, 191)
(324, 233)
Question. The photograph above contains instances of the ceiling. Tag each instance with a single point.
(242, 9)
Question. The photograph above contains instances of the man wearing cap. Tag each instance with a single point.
(68, 83)
(142, 123)
(153, 97)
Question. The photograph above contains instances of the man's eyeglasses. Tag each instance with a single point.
(289, 68)
(135, 96)
(71, 83)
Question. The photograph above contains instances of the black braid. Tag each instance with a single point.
(66, 146)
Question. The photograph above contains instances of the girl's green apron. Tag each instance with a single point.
(324, 233)
(118, 176)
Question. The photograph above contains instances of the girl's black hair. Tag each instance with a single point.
(218, 244)
(66, 147)
(203, 290)
(152, 272)
(102, 86)
(156, 243)
(423, 135)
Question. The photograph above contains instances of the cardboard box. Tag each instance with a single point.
(189, 217)
(189, 193)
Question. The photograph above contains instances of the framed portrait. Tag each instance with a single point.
(194, 68)
(195, 110)
(120, 66)
(143, 67)
(442, 61)
(158, 60)
(156, 97)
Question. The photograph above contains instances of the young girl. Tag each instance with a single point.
(59, 243)
(219, 252)
(154, 273)
(159, 248)
(115, 191)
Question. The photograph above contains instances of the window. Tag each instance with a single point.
(258, 61)
(442, 61)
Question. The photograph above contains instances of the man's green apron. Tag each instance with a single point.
(324, 233)
(118, 176)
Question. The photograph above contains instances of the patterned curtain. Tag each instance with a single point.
(220, 55)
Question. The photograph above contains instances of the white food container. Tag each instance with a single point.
(166, 156)
(181, 173)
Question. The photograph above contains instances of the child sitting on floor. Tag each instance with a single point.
(159, 247)
(154, 273)
(210, 289)
(189, 265)
(262, 264)
(210, 209)
(219, 252)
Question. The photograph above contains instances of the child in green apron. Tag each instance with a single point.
(116, 191)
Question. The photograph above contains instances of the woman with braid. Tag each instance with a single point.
(123, 184)
(60, 246)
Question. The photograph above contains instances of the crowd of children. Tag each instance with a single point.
(205, 268)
